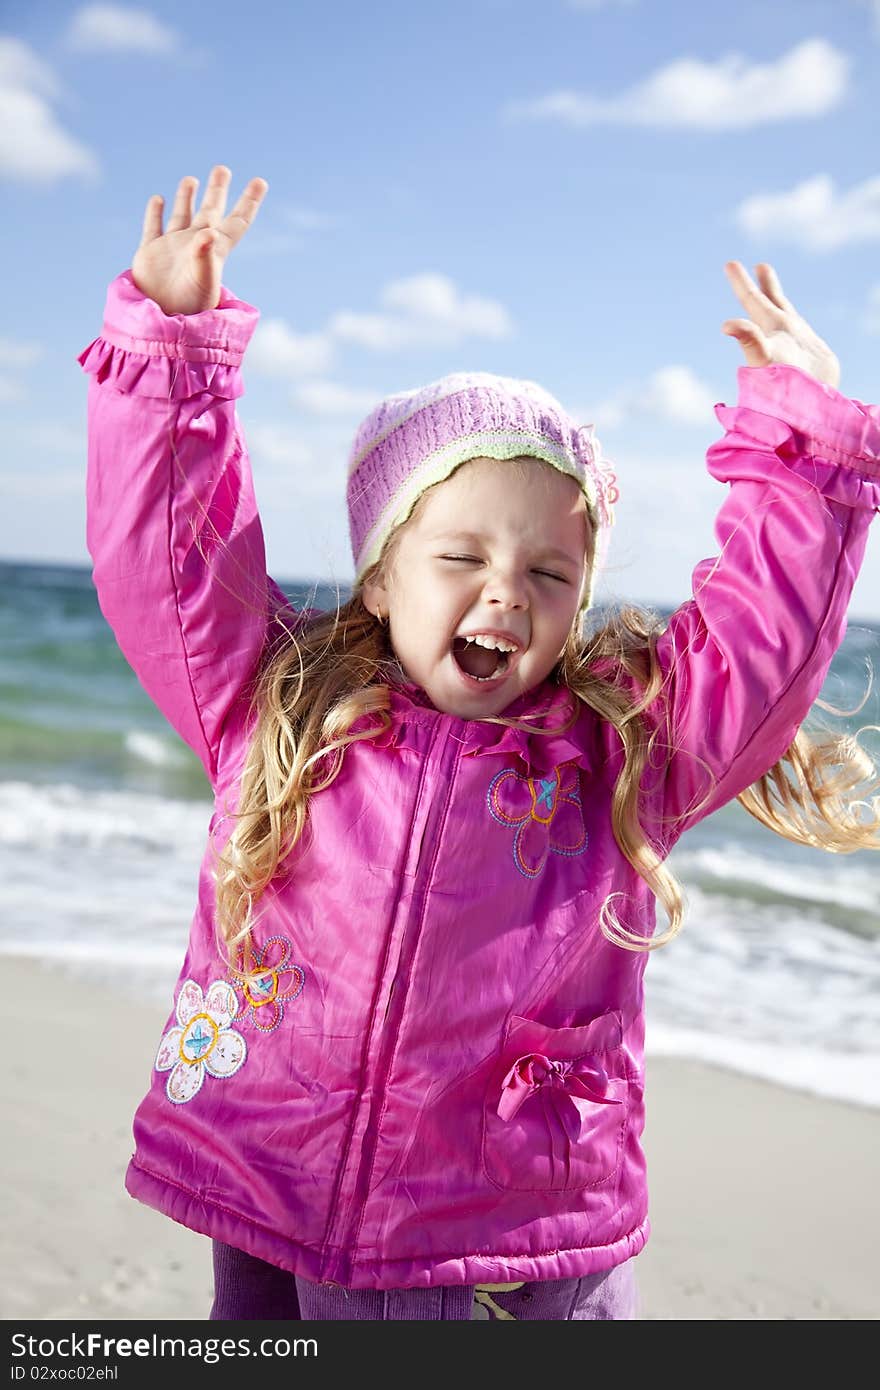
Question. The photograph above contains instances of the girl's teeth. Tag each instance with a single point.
(493, 643)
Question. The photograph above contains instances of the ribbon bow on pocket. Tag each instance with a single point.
(578, 1080)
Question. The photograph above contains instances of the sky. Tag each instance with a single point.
(543, 190)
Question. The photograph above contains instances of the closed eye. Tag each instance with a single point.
(474, 560)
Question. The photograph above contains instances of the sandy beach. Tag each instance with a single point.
(763, 1200)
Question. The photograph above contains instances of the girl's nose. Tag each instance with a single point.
(506, 590)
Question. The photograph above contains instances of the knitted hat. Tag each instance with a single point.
(417, 438)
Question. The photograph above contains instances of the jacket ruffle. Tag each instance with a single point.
(146, 352)
(854, 488)
(842, 464)
(855, 483)
(412, 716)
(850, 431)
(165, 378)
(538, 753)
(844, 485)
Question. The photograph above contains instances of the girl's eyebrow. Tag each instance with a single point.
(550, 553)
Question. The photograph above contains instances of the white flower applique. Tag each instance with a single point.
(204, 1042)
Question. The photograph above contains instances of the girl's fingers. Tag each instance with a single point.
(776, 332)
(214, 200)
(152, 219)
(750, 339)
(181, 213)
(772, 288)
(242, 215)
(762, 309)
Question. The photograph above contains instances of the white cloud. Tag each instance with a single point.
(730, 94)
(331, 398)
(277, 351)
(431, 311)
(118, 29)
(375, 331)
(20, 66)
(305, 467)
(814, 215)
(280, 445)
(665, 515)
(420, 311)
(673, 393)
(33, 145)
(16, 354)
(676, 394)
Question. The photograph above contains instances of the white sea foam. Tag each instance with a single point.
(155, 750)
(835, 1076)
(777, 979)
(100, 881)
(842, 882)
(63, 814)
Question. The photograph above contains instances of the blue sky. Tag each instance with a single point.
(545, 190)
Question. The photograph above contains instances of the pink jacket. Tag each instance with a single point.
(435, 1073)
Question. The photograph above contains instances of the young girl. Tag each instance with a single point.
(404, 1066)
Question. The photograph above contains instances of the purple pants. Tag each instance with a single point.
(248, 1289)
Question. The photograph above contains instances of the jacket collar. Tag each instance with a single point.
(548, 706)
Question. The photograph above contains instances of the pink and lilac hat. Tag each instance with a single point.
(417, 438)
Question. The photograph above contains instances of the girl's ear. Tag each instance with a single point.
(375, 596)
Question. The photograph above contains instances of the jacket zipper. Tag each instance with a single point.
(441, 765)
(388, 1005)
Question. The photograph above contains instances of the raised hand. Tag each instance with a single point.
(181, 268)
(776, 332)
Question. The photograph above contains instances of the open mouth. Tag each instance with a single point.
(478, 662)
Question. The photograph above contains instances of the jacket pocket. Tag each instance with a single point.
(556, 1106)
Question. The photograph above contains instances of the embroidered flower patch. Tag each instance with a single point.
(267, 980)
(204, 1042)
(545, 812)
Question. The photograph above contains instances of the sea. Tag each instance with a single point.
(104, 814)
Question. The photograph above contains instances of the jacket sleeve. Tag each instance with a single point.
(172, 522)
(746, 656)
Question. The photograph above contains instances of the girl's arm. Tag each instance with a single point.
(745, 658)
(172, 522)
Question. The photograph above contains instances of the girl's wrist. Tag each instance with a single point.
(136, 323)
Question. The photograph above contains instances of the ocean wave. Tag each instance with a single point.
(834, 1076)
(731, 866)
(38, 818)
(771, 976)
(155, 749)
